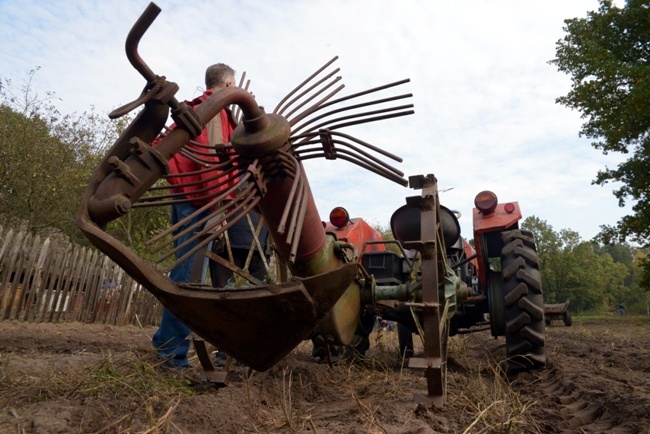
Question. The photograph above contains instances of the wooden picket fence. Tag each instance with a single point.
(44, 281)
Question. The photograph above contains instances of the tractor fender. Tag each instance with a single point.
(498, 220)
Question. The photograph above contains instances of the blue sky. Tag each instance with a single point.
(484, 93)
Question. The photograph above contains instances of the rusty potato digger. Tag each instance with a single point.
(332, 279)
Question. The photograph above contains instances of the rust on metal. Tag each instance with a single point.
(260, 170)
(434, 341)
(210, 373)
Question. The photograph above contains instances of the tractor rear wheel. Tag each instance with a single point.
(523, 301)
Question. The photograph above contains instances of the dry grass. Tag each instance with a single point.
(480, 397)
(295, 396)
(482, 390)
(129, 386)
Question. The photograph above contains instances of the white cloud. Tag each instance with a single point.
(485, 116)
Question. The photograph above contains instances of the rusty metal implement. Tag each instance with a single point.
(262, 170)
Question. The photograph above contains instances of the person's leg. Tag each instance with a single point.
(170, 340)
(219, 274)
(257, 267)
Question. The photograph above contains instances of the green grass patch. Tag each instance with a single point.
(614, 318)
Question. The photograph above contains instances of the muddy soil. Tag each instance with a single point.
(70, 378)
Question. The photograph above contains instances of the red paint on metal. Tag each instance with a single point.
(500, 219)
(469, 252)
(312, 239)
(357, 232)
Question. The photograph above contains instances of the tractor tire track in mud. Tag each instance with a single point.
(597, 380)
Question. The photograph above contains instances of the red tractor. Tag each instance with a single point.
(496, 286)
(332, 280)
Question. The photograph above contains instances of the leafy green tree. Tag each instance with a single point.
(46, 160)
(607, 55)
(549, 248)
(42, 176)
(584, 272)
(639, 301)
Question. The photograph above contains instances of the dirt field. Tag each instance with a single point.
(79, 378)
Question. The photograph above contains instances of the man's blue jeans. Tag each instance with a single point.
(171, 337)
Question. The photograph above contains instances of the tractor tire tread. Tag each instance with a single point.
(531, 308)
(523, 301)
(516, 294)
(526, 237)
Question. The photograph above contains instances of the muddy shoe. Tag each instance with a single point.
(221, 359)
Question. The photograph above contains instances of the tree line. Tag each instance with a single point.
(607, 56)
(596, 277)
(47, 158)
(46, 161)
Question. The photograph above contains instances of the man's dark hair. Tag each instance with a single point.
(218, 75)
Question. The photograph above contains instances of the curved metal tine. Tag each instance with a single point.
(368, 91)
(369, 160)
(299, 224)
(309, 89)
(310, 153)
(221, 209)
(344, 154)
(234, 161)
(234, 108)
(168, 241)
(374, 169)
(292, 192)
(209, 238)
(290, 94)
(225, 166)
(296, 203)
(240, 113)
(367, 145)
(316, 138)
(313, 109)
(171, 198)
(213, 223)
(260, 248)
(346, 108)
(201, 145)
(296, 211)
(390, 176)
(330, 95)
(184, 221)
(372, 119)
(366, 115)
(363, 155)
(229, 175)
(226, 156)
(256, 245)
(247, 194)
(245, 207)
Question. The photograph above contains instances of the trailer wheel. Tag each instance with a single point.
(567, 318)
(523, 301)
